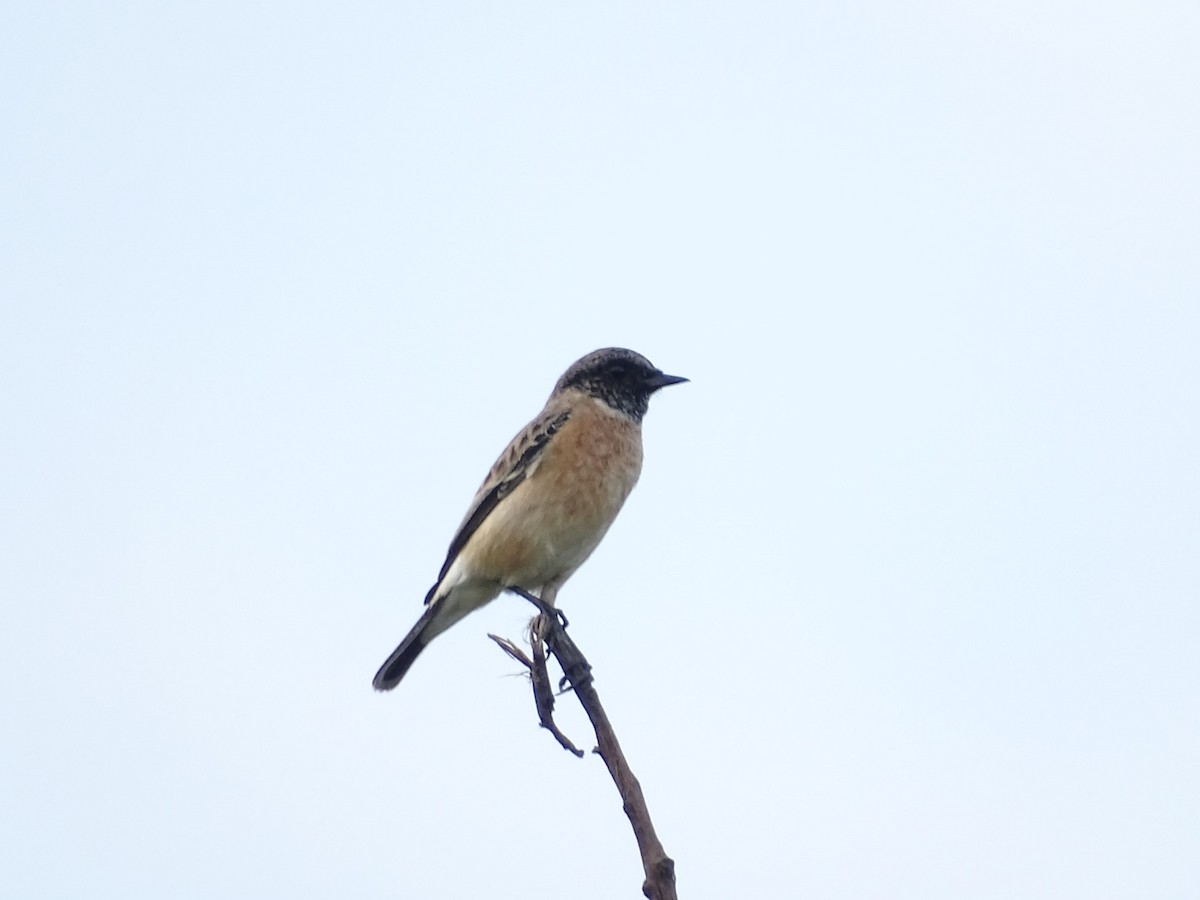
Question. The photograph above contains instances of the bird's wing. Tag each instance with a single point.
(514, 465)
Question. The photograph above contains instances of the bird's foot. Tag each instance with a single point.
(581, 673)
(546, 609)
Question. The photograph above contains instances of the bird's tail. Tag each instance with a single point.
(406, 654)
(442, 612)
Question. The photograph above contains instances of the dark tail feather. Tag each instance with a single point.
(404, 656)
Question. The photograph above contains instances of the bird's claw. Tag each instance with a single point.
(578, 674)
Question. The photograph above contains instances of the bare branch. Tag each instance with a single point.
(547, 627)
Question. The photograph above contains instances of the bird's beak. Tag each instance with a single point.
(662, 380)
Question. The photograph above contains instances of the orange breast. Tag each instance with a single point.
(553, 521)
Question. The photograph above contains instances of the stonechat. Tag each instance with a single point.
(548, 500)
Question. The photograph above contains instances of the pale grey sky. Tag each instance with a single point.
(905, 604)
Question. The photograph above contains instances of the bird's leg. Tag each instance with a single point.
(546, 608)
(544, 603)
(541, 625)
(549, 595)
(576, 669)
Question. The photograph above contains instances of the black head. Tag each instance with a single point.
(621, 378)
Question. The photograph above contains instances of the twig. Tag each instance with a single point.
(543, 697)
(659, 868)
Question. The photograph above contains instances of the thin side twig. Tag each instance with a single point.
(543, 696)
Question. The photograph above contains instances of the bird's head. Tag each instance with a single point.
(620, 378)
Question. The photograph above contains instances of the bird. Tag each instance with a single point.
(547, 501)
